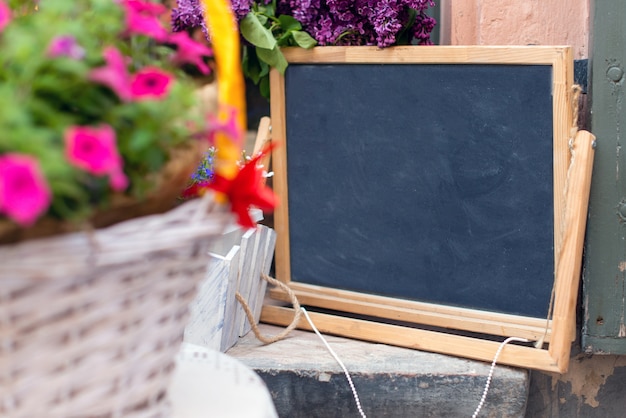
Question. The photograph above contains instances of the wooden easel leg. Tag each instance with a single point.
(570, 257)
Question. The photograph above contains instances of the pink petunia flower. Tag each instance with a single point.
(24, 192)
(114, 74)
(150, 83)
(147, 7)
(142, 19)
(94, 150)
(5, 15)
(190, 51)
(66, 46)
(228, 127)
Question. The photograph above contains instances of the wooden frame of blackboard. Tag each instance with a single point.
(424, 326)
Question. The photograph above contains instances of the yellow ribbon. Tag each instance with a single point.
(224, 35)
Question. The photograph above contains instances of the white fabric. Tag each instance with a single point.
(207, 383)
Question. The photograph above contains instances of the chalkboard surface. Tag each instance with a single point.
(429, 182)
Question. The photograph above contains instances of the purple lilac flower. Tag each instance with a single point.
(359, 22)
(188, 15)
(241, 8)
(422, 28)
(333, 22)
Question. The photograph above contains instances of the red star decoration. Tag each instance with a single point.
(247, 189)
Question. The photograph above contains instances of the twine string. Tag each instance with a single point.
(299, 312)
(576, 92)
(250, 315)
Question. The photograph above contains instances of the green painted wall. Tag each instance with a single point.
(604, 277)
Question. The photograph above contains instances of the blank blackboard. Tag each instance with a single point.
(428, 182)
(431, 197)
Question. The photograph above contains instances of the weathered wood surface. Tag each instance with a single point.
(207, 311)
(239, 259)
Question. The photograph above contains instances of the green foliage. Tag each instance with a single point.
(41, 96)
(266, 33)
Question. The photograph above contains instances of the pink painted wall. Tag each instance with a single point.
(517, 22)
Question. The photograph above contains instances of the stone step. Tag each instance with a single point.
(307, 382)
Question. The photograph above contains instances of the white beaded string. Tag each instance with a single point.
(343, 367)
(493, 366)
(356, 395)
(351, 383)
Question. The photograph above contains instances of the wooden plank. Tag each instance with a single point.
(257, 294)
(222, 246)
(259, 269)
(430, 55)
(452, 318)
(206, 317)
(570, 260)
(247, 266)
(279, 182)
(417, 306)
(563, 80)
(263, 137)
(252, 282)
(229, 336)
(258, 254)
(477, 349)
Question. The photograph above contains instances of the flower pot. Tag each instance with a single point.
(167, 186)
(91, 321)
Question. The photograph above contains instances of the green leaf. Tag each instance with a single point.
(405, 35)
(154, 159)
(140, 140)
(303, 39)
(265, 69)
(245, 63)
(250, 64)
(274, 57)
(264, 87)
(289, 23)
(68, 189)
(255, 33)
(267, 9)
(285, 39)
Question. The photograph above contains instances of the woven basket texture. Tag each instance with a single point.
(90, 323)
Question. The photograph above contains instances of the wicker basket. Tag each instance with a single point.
(90, 323)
